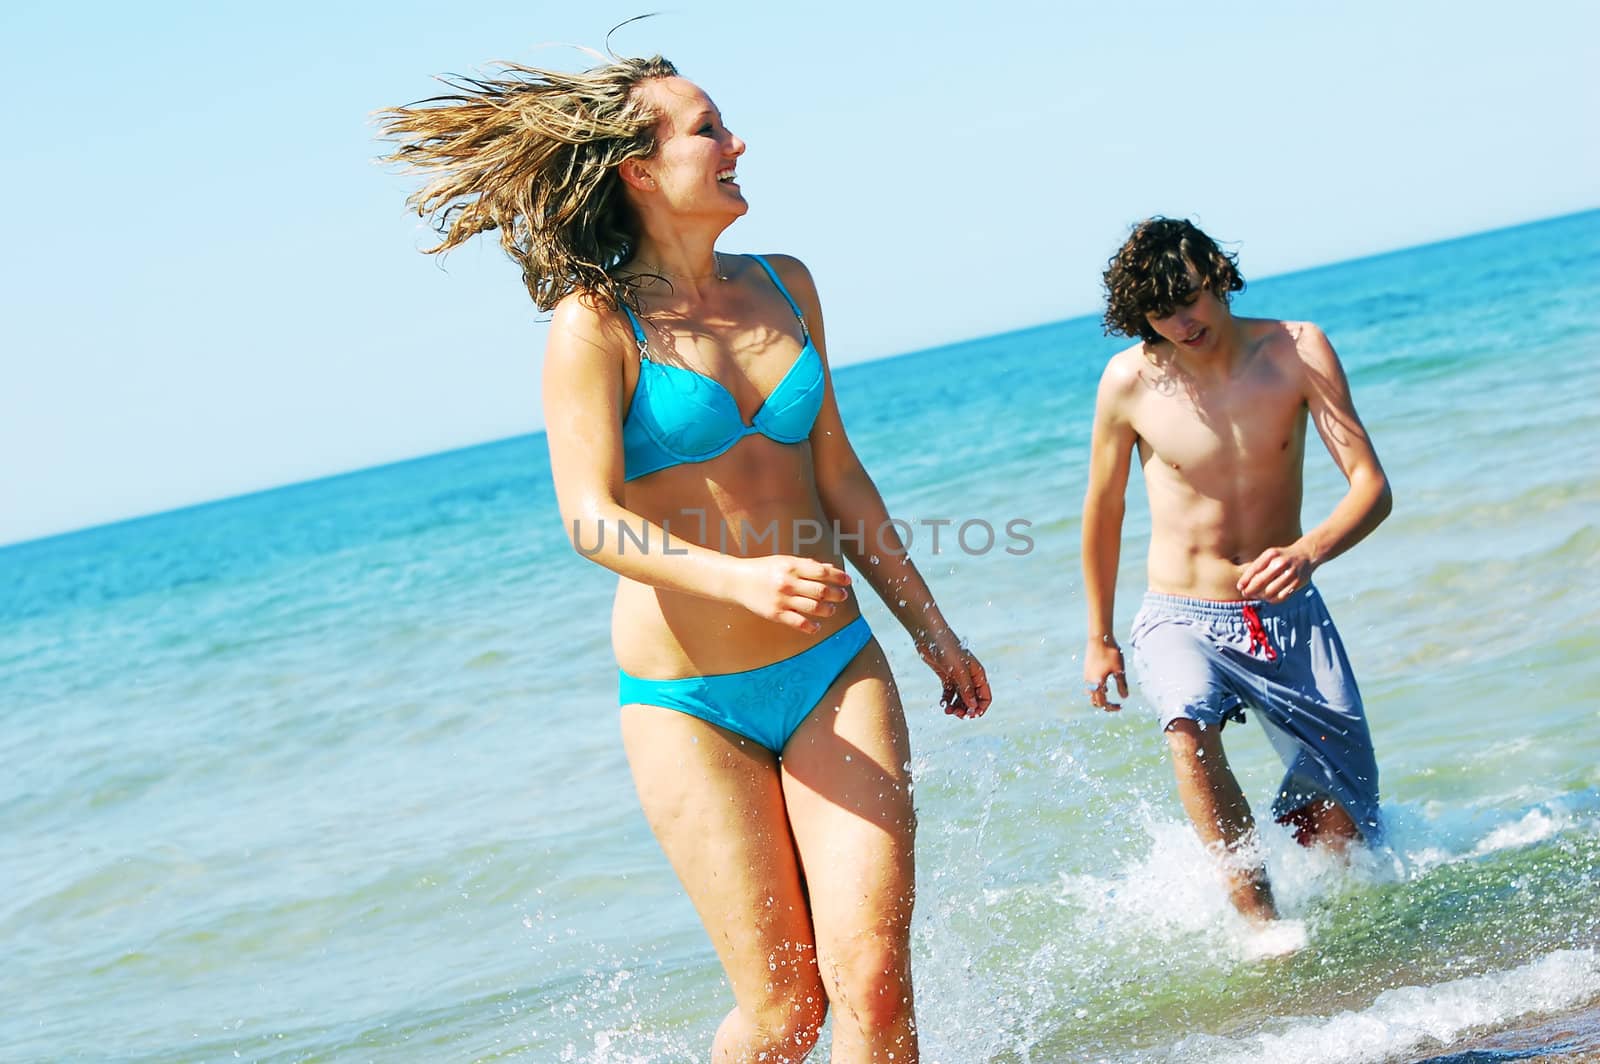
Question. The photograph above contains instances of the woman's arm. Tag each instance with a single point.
(852, 502)
(583, 411)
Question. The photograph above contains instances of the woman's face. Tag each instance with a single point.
(692, 170)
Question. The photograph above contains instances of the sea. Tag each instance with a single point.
(332, 772)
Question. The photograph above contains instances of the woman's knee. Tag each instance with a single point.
(789, 1014)
(872, 982)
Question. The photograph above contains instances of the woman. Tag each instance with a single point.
(697, 452)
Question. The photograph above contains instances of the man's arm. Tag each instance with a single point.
(1110, 454)
(1280, 571)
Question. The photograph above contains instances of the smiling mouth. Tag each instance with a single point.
(1195, 337)
(726, 177)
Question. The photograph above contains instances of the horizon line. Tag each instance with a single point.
(200, 504)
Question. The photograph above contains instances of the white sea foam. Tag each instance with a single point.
(1278, 939)
(1536, 826)
(1464, 835)
(1405, 1021)
(1175, 895)
(1172, 897)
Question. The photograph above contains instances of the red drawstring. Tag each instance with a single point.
(1258, 634)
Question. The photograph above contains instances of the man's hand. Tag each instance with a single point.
(1102, 659)
(1277, 573)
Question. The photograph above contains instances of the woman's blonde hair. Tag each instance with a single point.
(534, 153)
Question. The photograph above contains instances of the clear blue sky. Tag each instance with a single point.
(210, 288)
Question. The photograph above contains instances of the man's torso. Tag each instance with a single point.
(1222, 456)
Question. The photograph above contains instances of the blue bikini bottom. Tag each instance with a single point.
(765, 705)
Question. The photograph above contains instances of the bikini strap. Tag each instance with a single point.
(805, 330)
(638, 331)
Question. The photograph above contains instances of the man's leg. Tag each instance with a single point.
(1312, 713)
(1322, 823)
(1221, 816)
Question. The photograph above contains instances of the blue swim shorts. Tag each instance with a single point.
(1209, 661)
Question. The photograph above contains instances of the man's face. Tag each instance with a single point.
(1196, 324)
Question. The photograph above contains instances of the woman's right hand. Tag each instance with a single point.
(798, 592)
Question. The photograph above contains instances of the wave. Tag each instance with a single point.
(1404, 1021)
(1477, 917)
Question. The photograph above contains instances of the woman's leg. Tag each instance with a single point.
(716, 805)
(846, 776)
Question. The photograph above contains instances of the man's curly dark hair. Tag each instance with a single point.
(1149, 275)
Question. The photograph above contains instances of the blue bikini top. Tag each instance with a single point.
(678, 416)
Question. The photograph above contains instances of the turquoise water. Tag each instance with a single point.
(332, 773)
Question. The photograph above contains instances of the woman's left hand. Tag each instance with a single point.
(966, 688)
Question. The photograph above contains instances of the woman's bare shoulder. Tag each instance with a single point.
(582, 321)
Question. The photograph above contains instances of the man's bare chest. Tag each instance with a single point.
(1222, 430)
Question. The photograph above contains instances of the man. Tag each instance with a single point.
(1216, 407)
